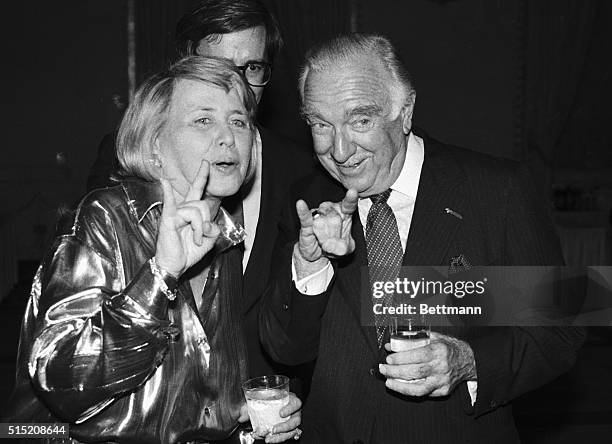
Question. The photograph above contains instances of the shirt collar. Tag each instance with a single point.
(142, 196)
(407, 182)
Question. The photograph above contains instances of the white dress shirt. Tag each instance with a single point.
(251, 204)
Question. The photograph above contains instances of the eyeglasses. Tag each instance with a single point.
(256, 73)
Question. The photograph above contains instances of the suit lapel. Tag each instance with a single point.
(354, 285)
(433, 225)
(253, 284)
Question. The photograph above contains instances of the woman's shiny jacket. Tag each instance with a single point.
(103, 348)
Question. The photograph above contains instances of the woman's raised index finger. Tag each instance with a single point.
(196, 188)
(169, 206)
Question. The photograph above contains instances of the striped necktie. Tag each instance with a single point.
(384, 252)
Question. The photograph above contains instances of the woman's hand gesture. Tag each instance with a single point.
(186, 231)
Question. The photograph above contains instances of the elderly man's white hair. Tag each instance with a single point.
(347, 48)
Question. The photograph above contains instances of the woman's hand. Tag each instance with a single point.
(186, 231)
(287, 430)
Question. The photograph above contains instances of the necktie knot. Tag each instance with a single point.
(381, 198)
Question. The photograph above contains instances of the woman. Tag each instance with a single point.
(132, 333)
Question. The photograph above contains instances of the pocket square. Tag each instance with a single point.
(458, 264)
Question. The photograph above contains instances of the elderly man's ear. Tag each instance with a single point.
(407, 111)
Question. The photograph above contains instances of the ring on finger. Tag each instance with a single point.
(297, 435)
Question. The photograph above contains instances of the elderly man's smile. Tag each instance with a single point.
(353, 168)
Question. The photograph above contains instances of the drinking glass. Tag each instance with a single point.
(409, 332)
(265, 396)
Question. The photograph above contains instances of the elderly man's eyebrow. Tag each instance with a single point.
(365, 110)
(258, 61)
(307, 113)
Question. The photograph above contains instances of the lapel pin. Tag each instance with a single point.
(453, 212)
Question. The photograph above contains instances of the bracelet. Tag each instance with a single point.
(161, 276)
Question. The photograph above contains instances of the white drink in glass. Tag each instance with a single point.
(265, 396)
(409, 336)
(404, 340)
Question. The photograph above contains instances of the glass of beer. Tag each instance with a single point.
(265, 396)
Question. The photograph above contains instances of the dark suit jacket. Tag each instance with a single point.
(503, 224)
(283, 163)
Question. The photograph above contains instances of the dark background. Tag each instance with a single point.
(529, 80)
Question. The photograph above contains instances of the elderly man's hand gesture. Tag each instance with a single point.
(324, 233)
(186, 231)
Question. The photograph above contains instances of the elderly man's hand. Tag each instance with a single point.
(433, 370)
(324, 233)
(289, 429)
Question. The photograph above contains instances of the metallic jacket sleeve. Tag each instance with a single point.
(95, 336)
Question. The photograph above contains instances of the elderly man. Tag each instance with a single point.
(397, 197)
(245, 33)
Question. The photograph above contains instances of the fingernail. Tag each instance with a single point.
(381, 368)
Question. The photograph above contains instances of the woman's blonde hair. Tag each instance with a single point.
(148, 111)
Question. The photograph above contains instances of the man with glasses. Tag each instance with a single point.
(244, 32)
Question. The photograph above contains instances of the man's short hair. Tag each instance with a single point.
(148, 110)
(346, 48)
(212, 18)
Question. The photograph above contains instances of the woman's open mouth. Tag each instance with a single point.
(225, 166)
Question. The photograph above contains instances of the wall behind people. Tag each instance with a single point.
(67, 65)
(155, 24)
(66, 62)
(469, 59)
(303, 23)
(464, 59)
(583, 140)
